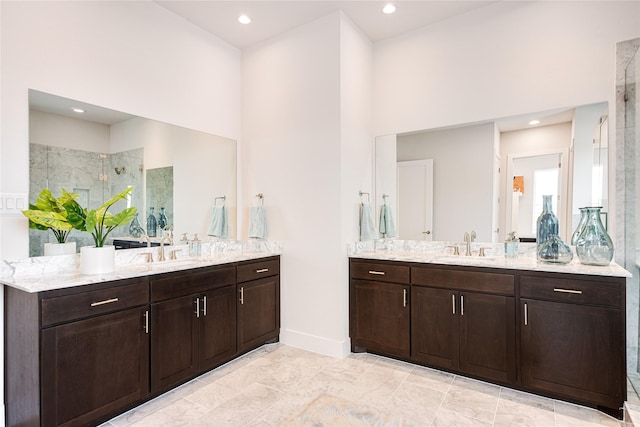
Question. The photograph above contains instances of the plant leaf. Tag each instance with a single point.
(48, 219)
(123, 217)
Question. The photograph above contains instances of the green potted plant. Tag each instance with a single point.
(99, 223)
(49, 213)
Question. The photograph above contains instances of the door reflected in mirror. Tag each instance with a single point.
(473, 172)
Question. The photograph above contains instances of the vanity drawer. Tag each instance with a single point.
(503, 284)
(258, 270)
(188, 282)
(380, 272)
(575, 291)
(67, 308)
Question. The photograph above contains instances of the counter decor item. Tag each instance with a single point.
(511, 246)
(49, 213)
(152, 223)
(99, 223)
(162, 219)
(578, 230)
(135, 228)
(594, 246)
(555, 251)
(547, 223)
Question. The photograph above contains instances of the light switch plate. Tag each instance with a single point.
(13, 203)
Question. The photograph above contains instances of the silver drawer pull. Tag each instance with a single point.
(567, 291)
(379, 273)
(107, 301)
(262, 270)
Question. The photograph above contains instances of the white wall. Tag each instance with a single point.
(462, 178)
(134, 57)
(504, 59)
(67, 132)
(306, 146)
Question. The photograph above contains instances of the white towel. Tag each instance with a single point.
(257, 222)
(218, 226)
(367, 225)
(387, 222)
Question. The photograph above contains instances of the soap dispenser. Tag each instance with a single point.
(195, 246)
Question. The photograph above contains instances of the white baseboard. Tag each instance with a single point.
(321, 345)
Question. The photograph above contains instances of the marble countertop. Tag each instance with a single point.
(39, 274)
(438, 253)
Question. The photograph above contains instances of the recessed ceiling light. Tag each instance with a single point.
(244, 19)
(388, 9)
(534, 122)
(77, 110)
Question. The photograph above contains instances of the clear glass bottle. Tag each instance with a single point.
(135, 228)
(576, 233)
(555, 251)
(547, 223)
(594, 246)
(162, 219)
(152, 223)
(195, 246)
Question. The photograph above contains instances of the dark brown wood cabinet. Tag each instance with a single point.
(559, 335)
(379, 309)
(464, 321)
(573, 340)
(258, 304)
(184, 326)
(78, 356)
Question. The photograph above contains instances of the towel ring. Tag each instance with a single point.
(261, 197)
(362, 193)
(215, 201)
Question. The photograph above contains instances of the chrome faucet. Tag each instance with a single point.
(147, 238)
(170, 240)
(467, 242)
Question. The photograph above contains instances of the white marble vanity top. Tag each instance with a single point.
(441, 253)
(39, 274)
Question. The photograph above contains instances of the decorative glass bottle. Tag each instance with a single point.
(583, 219)
(547, 224)
(555, 251)
(594, 246)
(152, 223)
(135, 228)
(162, 219)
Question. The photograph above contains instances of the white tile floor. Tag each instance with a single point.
(278, 385)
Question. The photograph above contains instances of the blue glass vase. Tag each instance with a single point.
(580, 227)
(555, 251)
(547, 224)
(594, 246)
(135, 228)
(152, 223)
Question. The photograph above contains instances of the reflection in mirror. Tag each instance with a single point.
(473, 173)
(160, 197)
(100, 152)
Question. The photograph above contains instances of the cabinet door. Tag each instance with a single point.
(174, 341)
(434, 327)
(380, 317)
(258, 312)
(575, 351)
(94, 367)
(488, 336)
(217, 327)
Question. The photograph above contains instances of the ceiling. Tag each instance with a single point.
(270, 18)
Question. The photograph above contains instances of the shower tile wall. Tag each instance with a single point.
(160, 191)
(131, 168)
(88, 173)
(627, 186)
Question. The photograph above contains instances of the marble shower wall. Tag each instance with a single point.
(91, 175)
(627, 236)
(160, 192)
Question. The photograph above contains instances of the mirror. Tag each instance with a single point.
(469, 184)
(100, 152)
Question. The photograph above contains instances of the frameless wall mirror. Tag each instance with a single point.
(99, 152)
(467, 174)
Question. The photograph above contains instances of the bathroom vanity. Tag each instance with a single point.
(79, 355)
(558, 331)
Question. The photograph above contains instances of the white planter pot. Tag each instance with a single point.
(51, 249)
(97, 260)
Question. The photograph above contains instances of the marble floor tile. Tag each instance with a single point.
(281, 386)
